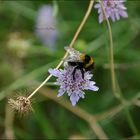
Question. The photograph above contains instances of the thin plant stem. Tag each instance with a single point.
(115, 110)
(71, 45)
(111, 53)
(9, 119)
(115, 86)
(131, 122)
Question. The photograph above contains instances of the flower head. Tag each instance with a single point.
(21, 104)
(46, 26)
(74, 88)
(113, 9)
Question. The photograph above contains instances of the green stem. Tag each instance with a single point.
(115, 86)
(111, 57)
(131, 122)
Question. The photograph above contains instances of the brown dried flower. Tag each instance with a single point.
(21, 104)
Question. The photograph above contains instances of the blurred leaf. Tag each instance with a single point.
(45, 123)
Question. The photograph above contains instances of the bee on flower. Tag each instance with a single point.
(76, 75)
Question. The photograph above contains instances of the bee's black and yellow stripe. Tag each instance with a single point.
(88, 61)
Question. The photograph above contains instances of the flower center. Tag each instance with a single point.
(111, 3)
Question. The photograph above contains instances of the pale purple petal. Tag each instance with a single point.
(112, 17)
(92, 83)
(81, 94)
(123, 14)
(101, 18)
(94, 88)
(57, 83)
(121, 6)
(88, 75)
(60, 92)
(74, 99)
(117, 15)
(97, 6)
(54, 72)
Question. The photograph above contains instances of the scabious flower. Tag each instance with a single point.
(113, 9)
(46, 26)
(73, 87)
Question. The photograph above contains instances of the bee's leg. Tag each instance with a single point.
(72, 63)
(82, 71)
(73, 73)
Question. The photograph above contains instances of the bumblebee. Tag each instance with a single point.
(85, 63)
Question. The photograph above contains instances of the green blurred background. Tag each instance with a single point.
(25, 59)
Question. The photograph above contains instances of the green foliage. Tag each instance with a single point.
(22, 68)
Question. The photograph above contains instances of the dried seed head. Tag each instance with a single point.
(21, 104)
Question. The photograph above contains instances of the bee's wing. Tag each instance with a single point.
(72, 51)
(74, 55)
